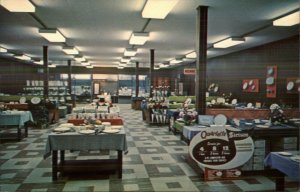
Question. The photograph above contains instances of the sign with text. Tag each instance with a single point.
(189, 71)
(221, 148)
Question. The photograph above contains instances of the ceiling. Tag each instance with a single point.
(100, 29)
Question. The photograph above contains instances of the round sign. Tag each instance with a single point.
(221, 147)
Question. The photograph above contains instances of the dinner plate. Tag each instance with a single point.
(35, 100)
(216, 89)
(61, 129)
(285, 153)
(245, 85)
(290, 85)
(297, 159)
(213, 101)
(116, 127)
(87, 131)
(22, 100)
(106, 123)
(220, 100)
(249, 105)
(262, 126)
(270, 71)
(220, 119)
(250, 82)
(66, 125)
(270, 80)
(253, 87)
(111, 131)
(234, 101)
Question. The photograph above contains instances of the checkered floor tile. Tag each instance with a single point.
(156, 161)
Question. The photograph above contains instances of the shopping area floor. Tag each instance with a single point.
(156, 161)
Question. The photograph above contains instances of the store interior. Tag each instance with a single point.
(155, 104)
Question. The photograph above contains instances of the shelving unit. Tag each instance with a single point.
(58, 90)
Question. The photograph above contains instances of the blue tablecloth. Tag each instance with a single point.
(284, 164)
(190, 131)
(17, 118)
(76, 141)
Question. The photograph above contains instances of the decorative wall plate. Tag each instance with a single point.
(220, 119)
(290, 85)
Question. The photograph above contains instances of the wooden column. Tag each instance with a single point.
(46, 72)
(69, 77)
(151, 71)
(137, 82)
(201, 48)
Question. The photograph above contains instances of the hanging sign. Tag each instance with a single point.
(189, 71)
(221, 151)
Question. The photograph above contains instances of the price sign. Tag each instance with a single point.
(221, 148)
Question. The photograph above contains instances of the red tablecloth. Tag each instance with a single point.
(117, 121)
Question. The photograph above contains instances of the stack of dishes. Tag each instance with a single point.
(61, 129)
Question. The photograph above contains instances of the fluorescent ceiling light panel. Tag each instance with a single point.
(79, 59)
(130, 52)
(122, 64)
(192, 55)
(23, 57)
(229, 42)
(125, 59)
(289, 20)
(85, 63)
(3, 50)
(70, 50)
(175, 61)
(138, 38)
(18, 5)
(51, 66)
(158, 9)
(52, 35)
(39, 62)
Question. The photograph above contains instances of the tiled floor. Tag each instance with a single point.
(156, 161)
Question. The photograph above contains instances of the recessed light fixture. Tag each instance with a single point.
(18, 5)
(138, 38)
(3, 50)
(289, 20)
(79, 58)
(90, 66)
(52, 35)
(70, 50)
(192, 55)
(158, 9)
(130, 52)
(23, 57)
(232, 41)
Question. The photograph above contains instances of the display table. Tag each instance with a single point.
(17, 119)
(75, 141)
(18, 106)
(117, 121)
(285, 165)
(250, 113)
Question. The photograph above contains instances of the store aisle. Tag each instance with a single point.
(156, 161)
